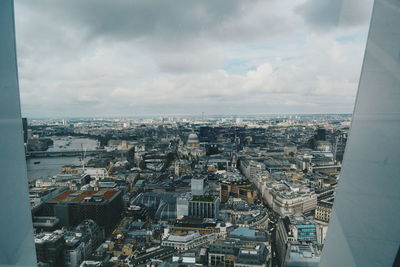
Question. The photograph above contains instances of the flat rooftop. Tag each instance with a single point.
(48, 237)
(204, 198)
(84, 196)
(302, 253)
(245, 232)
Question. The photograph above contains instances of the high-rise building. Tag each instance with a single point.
(182, 206)
(16, 232)
(74, 250)
(321, 134)
(206, 134)
(50, 248)
(204, 207)
(72, 207)
(364, 228)
(25, 129)
(198, 186)
(293, 229)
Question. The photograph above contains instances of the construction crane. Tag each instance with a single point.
(83, 157)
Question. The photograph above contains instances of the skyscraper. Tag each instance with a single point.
(25, 129)
(364, 228)
(16, 231)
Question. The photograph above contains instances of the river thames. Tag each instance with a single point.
(52, 165)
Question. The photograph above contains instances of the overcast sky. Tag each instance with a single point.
(142, 57)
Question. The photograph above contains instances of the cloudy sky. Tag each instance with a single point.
(148, 57)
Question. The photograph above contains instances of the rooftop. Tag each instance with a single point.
(252, 255)
(84, 196)
(179, 236)
(204, 198)
(45, 221)
(245, 232)
(48, 237)
(298, 219)
(302, 253)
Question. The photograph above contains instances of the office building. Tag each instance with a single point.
(204, 207)
(182, 241)
(16, 232)
(304, 255)
(364, 228)
(245, 234)
(182, 206)
(222, 253)
(243, 190)
(74, 250)
(231, 253)
(45, 223)
(160, 206)
(288, 199)
(72, 207)
(206, 134)
(25, 129)
(250, 168)
(50, 248)
(321, 134)
(198, 186)
(323, 210)
(255, 256)
(203, 226)
(293, 229)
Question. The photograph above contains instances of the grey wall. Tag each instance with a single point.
(16, 232)
(365, 226)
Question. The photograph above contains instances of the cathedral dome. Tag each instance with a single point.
(193, 137)
(193, 141)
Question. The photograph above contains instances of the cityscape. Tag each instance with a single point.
(183, 191)
(200, 133)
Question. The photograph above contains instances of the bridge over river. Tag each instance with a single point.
(63, 153)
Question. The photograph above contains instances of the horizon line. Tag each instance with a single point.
(208, 116)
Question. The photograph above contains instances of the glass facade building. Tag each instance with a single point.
(306, 233)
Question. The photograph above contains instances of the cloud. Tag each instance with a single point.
(265, 89)
(331, 14)
(124, 20)
(98, 57)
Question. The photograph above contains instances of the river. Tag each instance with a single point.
(52, 165)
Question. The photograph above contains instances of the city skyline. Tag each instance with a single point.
(201, 133)
(204, 117)
(186, 186)
(78, 59)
